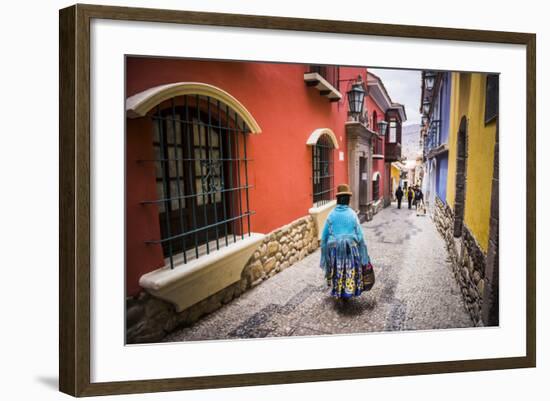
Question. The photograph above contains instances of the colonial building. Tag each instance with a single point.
(436, 96)
(387, 144)
(461, 163)
(231, 170)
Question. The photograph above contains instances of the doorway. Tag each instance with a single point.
(363, 184)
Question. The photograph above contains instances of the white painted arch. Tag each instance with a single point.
(376, 175)
(315, 135)
(141, 103)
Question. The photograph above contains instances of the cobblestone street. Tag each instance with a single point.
(415, 290)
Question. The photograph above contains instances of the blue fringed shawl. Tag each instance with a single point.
(343, 231)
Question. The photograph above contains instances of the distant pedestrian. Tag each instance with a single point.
(410, 196)
(399, 196)
(344, 256)
(419, 200)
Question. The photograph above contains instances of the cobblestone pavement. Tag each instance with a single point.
(414, 290)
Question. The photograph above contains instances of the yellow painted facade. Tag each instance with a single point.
(468, 99)
(395, 177)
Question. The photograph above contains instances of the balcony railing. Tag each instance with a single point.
(432, 141)
(434, 134)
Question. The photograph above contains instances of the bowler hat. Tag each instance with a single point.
(343, 189)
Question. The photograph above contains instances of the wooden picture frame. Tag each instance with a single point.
(74, 207)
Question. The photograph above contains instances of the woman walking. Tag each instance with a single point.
(344, 256)
(419, 201)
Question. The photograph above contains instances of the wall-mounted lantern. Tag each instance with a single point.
(382, 126)
(426, 107)
(429, 80)
(356, 97)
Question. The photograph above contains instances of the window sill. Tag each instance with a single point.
(320, 214)
(377, 156)
(189, 283)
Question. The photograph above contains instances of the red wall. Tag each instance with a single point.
(286, 110)
(378, 164)
(142, 222)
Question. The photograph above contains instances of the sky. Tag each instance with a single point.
(403, 87)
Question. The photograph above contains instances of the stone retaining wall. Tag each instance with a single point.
(467, 258)
(149, 319)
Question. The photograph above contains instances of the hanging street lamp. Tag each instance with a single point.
(356, 97)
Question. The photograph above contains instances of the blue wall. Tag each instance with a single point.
(441, 178)
(445, 107)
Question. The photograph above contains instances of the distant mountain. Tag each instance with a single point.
(410, 141)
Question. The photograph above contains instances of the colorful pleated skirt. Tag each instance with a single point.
(345, 274)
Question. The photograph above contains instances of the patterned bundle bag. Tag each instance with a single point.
(369, 276)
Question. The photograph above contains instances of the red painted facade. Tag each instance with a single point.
(287, 111)
(376, 114)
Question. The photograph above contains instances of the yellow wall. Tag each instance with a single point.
(468, 98)
(396, 175)
(454, 114)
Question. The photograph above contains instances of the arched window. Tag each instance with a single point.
(376, 186)
(323, 142)
(374, 121)
(201, 164)
(323, 170)
(202, 175)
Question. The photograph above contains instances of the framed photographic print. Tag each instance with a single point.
(252, 200)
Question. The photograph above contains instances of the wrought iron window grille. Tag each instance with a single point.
(323, 171)
(201, 169)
